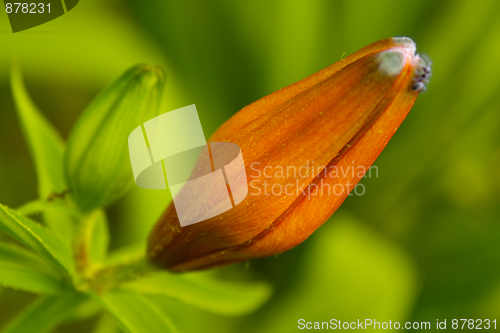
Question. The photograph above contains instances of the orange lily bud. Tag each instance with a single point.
(292, 142)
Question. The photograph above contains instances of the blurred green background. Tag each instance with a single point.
(422, 244)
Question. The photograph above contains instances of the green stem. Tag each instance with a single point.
(112, 276)
(83, 240)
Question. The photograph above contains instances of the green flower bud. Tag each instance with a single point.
(96, 161)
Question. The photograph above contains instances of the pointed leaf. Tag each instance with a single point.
(34, 236)
(23, 269)
(199, 290)
(45, 144)
(46, 147)
(44, 314)
(136, 313)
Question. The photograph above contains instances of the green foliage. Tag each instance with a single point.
(45, 143)
(22, 269)
(198, 290)
(37, 238)
(136, 313)
(66, 257)
(46, 147)
(45, 314)
(96, 162)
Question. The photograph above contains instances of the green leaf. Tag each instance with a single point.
(58, 217)
(45, 144)
(34, 236)
(22, 269)
(46, 147)
(199, 290)
(94, 234)
(45, 314)
(96, 163)
(136, 313)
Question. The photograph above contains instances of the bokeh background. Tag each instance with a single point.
(422, 244)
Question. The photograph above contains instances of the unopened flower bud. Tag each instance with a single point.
(96, 161)
(292, 142)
